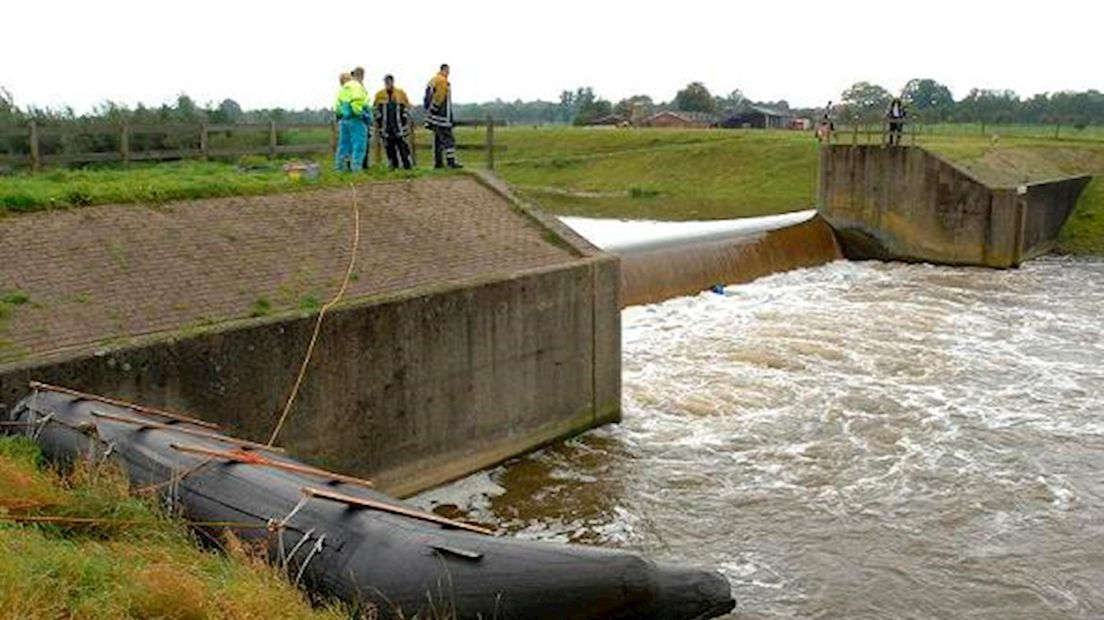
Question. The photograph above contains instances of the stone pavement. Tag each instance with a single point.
(95, 277)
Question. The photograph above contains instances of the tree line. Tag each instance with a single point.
(926, 99)
(933, 102)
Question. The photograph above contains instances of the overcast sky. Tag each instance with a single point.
(289, 53)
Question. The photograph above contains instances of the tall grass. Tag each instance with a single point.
(149, 568)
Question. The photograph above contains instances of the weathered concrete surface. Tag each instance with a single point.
(651, 274)
(411, 387)
(905, 203)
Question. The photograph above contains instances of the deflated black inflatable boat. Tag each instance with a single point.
(338, 538)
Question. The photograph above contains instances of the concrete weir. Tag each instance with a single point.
(663, 260)
(906, 203)
(477, 329)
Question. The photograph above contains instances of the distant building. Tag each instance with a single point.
(610, 119)
(682, 120)
(758, 117)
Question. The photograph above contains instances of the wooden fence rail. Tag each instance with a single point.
(198, 144)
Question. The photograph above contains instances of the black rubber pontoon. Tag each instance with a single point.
(340, 539)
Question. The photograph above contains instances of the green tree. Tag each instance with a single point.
(227, 112)
(930, 99)
(695, 98)
(643, 104)
(865, 101)
(734, 101)
(989, 106)
(589, 106)
(9, 114)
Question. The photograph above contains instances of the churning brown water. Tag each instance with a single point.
(857, 440)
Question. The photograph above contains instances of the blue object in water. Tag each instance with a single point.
(718, 289)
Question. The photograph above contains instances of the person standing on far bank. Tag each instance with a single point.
(392, 117)
(352, 128)
(438, 107)
(896, 117)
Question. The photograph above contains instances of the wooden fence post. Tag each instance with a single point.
(413, 149)
(36, 159)
(204, 141)
(272, 139)
(124, 143)
(490, 143)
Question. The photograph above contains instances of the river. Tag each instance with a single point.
(858, 440)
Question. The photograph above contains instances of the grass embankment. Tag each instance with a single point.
(610, 172)
(156, 183)
(149, 568)
(661, 174)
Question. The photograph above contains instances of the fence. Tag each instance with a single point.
(42, 146)
(875, 133)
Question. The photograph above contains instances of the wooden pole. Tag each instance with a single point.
(183, 430)
(272, 139)
(38, 385)
(36, 159)
(124, 143)
(413, 151)
(204, 141)
(364, 502)
(490, 143)
(249, 458)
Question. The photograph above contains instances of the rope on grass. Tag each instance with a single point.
(321, 316)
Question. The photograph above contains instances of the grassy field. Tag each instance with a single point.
(147, 568)
(624, 173)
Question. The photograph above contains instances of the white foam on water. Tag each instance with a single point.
(854, 440)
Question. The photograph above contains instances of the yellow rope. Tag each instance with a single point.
(318, 323)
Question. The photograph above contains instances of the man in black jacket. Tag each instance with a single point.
(392, 118)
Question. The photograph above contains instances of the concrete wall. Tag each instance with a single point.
(905, 203)
(411, 390)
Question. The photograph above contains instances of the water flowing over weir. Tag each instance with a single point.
(856, 440)
(662, 260)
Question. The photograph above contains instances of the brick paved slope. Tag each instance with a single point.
(99, 275)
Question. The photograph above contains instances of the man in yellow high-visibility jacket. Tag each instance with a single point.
(392, 117)
(353, 116)
(438, 107)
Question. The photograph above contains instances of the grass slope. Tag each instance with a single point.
(664, 174)
(160, 182)
(105, 571)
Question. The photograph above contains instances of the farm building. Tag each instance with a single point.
(757, 117)
(682, 120)
(610, 119)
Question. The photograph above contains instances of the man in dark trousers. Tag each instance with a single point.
(392, 116)
(438, 107)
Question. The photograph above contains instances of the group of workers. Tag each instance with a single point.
(389, 112)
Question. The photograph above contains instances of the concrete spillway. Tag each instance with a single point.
(661, 260)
